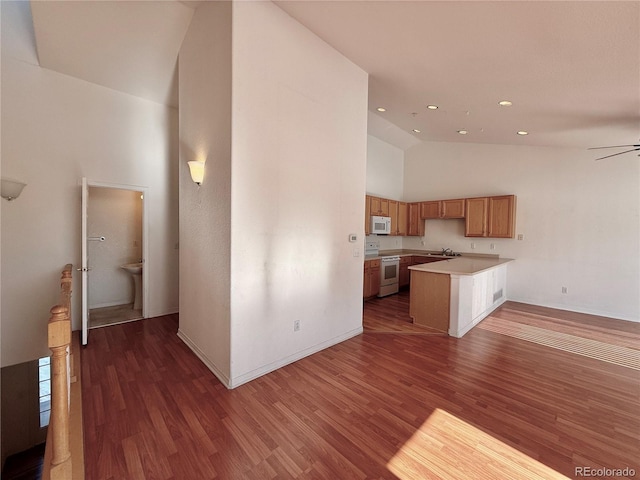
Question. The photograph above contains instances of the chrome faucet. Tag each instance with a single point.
(447, 252)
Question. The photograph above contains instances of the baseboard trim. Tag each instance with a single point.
(577, 309)
(208, 363)
(258, 372)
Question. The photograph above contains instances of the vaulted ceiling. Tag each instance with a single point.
(571, 69)
(130, 46)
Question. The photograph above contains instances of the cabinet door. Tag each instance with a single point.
(452, 208)
(476, 217)
(404, 273)
(502, 216)
(374, 205)
(375, 277)
(384, 207)
(403, 218)
(367, 280)
(416, 224)
(430, 209)
(393, 213)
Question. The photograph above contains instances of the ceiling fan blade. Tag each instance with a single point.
(619, 153)
(613, 146)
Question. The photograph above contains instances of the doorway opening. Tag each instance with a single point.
(115, 245)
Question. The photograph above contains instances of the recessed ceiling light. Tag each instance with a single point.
(416, 130)
(505, 103)
(463, 132)
(381, 109)
(523, 132)
(432, 107)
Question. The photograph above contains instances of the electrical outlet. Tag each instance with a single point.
(296, 325)
(356, 252)
(521, 236)
(565, 290)
(492, 246)
(473, 245)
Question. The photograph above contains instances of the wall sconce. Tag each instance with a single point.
(197, 171)
(10, 189)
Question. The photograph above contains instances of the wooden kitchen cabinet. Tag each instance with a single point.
(416, 224)
(371, 278)
(443, 208)
(367, 214)
(379, 206)
(405, 273)
(502, 216)
(403, 218)
(430, 209)
(453, 208)
(476, 218)
(393, 213)
(491, 217)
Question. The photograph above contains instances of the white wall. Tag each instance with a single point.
(205, 211)
(385, 177)
(55, 130)
(385, 169)
(117, 215)
(265, 239)
(298, 183)
(580, 219)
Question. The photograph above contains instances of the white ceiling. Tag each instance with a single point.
(131, 46)
(571, 69)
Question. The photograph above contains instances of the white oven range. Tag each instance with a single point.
(389, 275)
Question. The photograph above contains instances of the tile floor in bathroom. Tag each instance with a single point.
(102, 317)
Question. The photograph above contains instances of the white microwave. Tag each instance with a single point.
(380, 225)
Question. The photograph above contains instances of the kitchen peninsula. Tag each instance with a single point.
(454, 295)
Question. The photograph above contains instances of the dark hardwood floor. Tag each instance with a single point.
(391, 403)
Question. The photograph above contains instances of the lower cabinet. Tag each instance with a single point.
(371, 278)
(405, 273)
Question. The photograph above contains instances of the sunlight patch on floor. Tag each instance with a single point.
(606, 352)
(448, 448)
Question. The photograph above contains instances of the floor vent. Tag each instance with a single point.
(497, 295)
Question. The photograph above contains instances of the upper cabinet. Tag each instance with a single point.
(403, 218)
(476, 219)
(416, 224)
(502, 216)
(484, 216)
(443, 209)
(491, 217)
(393, 213)
(379, 206)
(367, 215)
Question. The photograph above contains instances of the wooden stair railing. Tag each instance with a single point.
(64, 453)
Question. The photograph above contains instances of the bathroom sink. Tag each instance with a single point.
(133, 268)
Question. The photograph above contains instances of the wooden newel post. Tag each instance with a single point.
(65, 300)
(59, 341)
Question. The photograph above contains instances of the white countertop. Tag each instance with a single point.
(461, 265)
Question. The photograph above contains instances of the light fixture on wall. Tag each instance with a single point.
(197, 171)
(10, 189)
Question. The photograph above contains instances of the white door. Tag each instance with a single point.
(85, 266)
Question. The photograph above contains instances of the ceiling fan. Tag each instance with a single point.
(636, 148)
